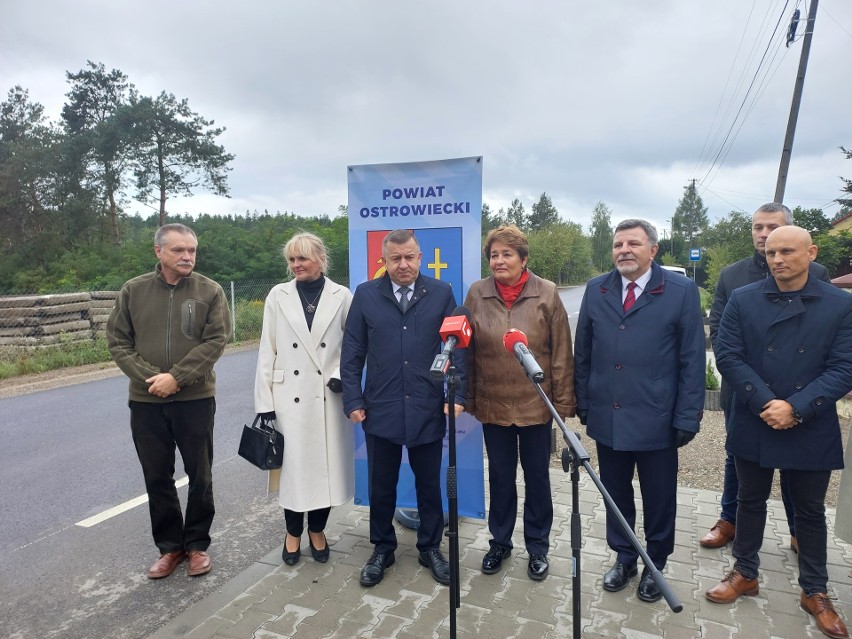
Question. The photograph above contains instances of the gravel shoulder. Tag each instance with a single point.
(58, 378)
(702, 461)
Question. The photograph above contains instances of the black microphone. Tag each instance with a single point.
(456, 331)
(515, 342)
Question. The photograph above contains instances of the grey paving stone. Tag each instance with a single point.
(326, 600)
(245, 626)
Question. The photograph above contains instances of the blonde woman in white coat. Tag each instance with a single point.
(298, 383)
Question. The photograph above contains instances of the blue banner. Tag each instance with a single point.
(441, 202)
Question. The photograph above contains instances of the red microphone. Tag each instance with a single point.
(515, 342)
(457, 326)
(456, 332)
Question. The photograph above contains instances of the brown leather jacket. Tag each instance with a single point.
(498, 390)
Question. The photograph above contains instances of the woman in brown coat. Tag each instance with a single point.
(515, 420)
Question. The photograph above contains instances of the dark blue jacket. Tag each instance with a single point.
(640, 374)
(798, 348)
(404, 404)
(748, 270)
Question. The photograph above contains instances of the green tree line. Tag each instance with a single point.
(64, 185)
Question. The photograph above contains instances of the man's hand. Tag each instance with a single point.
(583, 415)
(683, 437)
(778, 414)
(162, 385)
(459, 409)
(358, 415)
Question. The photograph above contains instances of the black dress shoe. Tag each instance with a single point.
(493, 559)
(374, 569)
(537, 568)
(648, 590)
(617, 577)
(319, 554)
(290, 558)
(437, 564)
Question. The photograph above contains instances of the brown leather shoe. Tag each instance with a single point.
(794, 545)
(827, 620)
(719, 535)
(199, 563)
(166, 564)
(731, 587)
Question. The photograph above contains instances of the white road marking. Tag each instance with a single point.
(117, 510)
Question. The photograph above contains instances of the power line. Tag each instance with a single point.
(726, 145)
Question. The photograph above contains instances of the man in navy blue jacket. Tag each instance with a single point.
(639, 372)
(393, 328)
(785, 346)
(766, 219)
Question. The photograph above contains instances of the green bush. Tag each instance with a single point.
(706, 300)
(249, 319)
(711, 382)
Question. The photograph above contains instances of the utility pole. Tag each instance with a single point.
(787, 151)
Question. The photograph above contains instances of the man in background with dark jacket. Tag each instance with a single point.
(167, 330)
(766, 219)
(785, 346)
(393, 328)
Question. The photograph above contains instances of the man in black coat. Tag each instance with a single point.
(766, 219)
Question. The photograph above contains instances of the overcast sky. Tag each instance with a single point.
(622, 102)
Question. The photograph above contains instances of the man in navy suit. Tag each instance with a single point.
(393, 328)
(639, 367)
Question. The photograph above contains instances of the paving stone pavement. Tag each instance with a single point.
(312, 600)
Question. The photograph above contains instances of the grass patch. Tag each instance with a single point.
(40, 359)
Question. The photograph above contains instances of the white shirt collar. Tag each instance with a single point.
(396, 288)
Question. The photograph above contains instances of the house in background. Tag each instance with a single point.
(843, 224)
(844, 282)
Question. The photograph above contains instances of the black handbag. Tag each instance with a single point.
(262, 445)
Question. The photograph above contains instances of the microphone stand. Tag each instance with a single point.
(452, 498)
(573, 457)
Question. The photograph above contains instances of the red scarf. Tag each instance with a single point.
(509, 293)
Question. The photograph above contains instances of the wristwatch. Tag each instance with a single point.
(797, 416)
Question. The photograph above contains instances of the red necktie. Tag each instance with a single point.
(630, 298)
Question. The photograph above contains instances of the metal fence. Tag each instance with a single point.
(63, 316)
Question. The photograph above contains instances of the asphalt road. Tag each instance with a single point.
(66, 456)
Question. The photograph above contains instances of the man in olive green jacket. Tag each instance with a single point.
(167, 330)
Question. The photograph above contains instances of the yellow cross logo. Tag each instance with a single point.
(437, 265)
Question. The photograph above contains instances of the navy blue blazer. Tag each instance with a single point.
(772, 345)
(404, 404)
(640, 375)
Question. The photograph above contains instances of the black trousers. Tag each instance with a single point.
(295, 521)
(504, 445)
(807, 490)
(157, 429)
(657, 471)
(383, 460)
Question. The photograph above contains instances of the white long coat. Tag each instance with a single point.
(293, 368)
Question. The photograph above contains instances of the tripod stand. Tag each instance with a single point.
(572, 458)
(452, 499)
